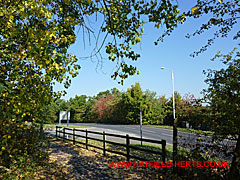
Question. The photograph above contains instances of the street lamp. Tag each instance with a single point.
(174, 122)
(172, 93)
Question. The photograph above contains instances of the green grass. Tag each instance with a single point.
(184, 129)
(53, 126)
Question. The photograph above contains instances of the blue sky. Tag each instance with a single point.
(173, 53)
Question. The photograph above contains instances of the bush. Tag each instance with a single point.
(18, 140)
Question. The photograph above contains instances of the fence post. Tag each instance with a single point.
(74, 136)
(127, 146)
(63, 133)
(86, 139)
(164, 151)
(104, 144)
(56, 132)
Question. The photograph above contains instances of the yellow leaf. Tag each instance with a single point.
(195, 10)
(158, 24)
(220, 1)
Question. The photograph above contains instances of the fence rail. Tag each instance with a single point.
(127, 145)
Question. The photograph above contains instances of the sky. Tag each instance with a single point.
(173, 53)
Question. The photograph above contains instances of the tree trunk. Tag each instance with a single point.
(235, 167)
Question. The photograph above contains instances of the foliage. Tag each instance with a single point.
(77, 107)
(190, 110)
(89, 114)
(49, 114)
(132, 102)
(223, 96)
(223, 91)
(18, 140)
(156, 108)
(104, 108)
(115, 107)
(124, 108)
(223, 17)
(33, 57)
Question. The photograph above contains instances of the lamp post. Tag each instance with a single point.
(174, 124)
(141, 125)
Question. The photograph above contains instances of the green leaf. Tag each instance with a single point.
(1, 87)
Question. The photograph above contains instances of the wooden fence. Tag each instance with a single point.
(127, 145)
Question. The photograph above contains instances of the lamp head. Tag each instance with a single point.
(163, 68)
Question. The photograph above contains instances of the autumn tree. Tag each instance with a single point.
(35, 36)
(223, 96)
(190, 110)
(105, 108)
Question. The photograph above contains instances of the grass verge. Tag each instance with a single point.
(184, 129)
(53, 126)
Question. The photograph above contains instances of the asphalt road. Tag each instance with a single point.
(155, 133)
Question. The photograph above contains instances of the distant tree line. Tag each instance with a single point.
(115, 107)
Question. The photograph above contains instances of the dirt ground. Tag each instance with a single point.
(68, 161)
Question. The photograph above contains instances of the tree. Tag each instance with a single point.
(77, 106)
(103, 94)
(35, 36)
(132, 102)
(223, 96)
(33, 56)
(189, 109)
(156, 110)
(223, 17)
(168, 104)
(49, 113)
(77, 101)
(105, 108)
(89, 114)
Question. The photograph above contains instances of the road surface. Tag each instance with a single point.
(156, 133)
